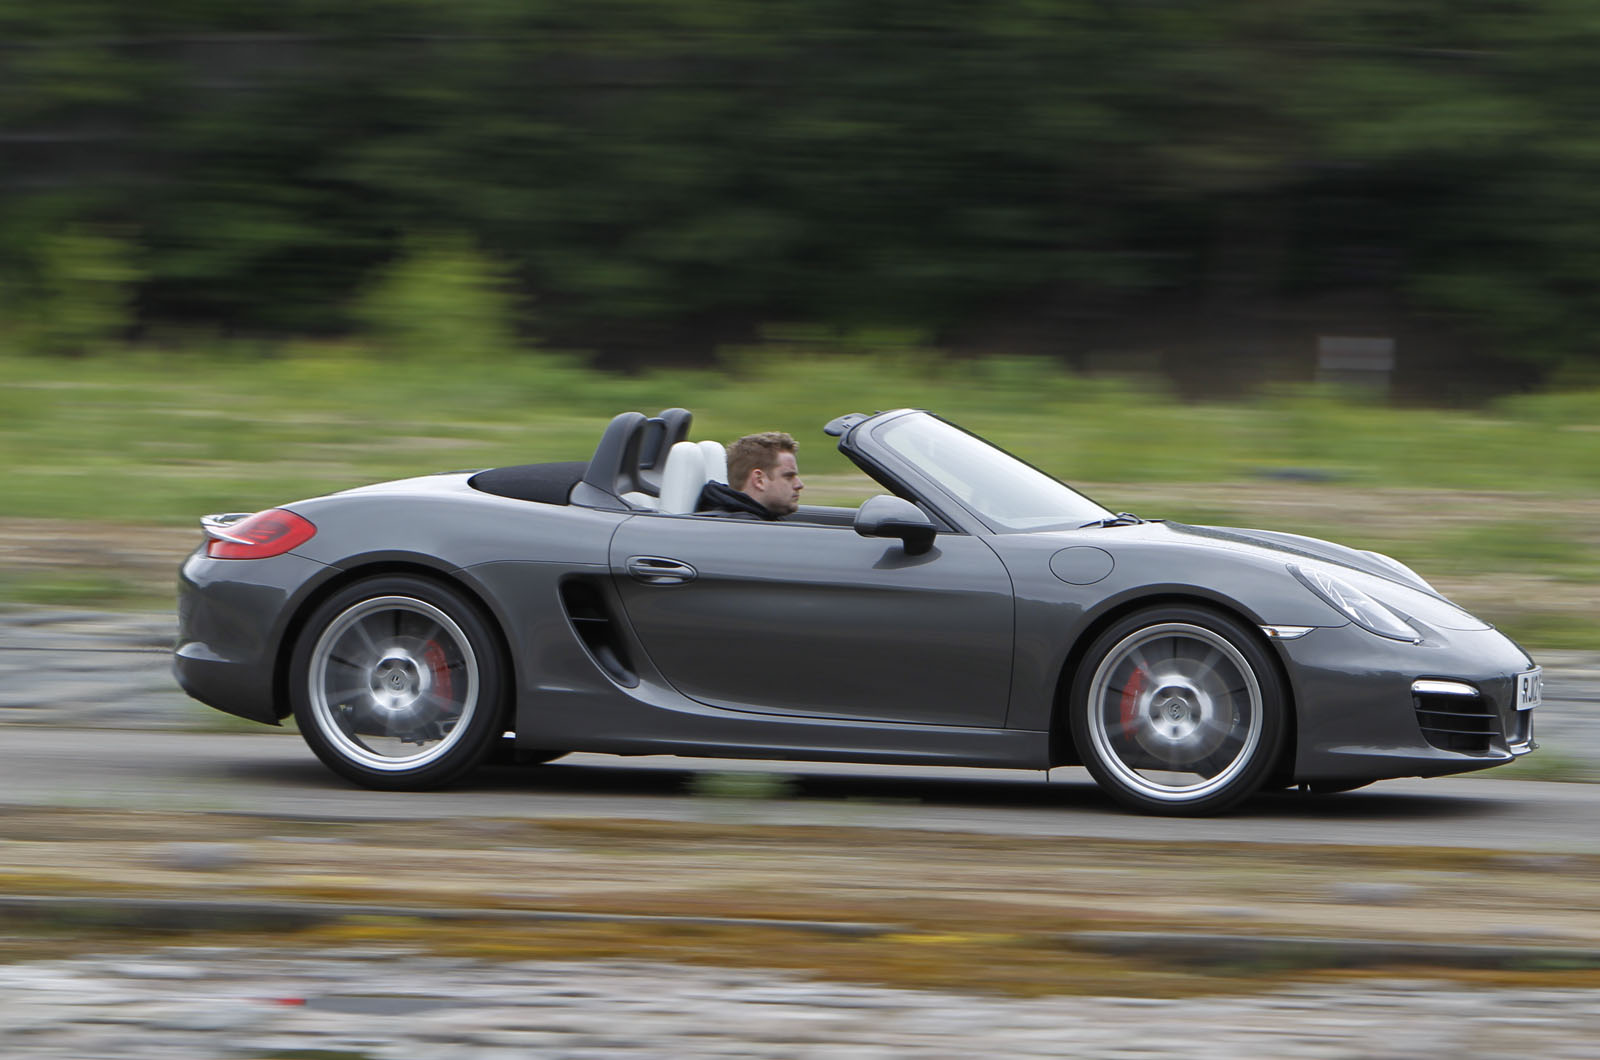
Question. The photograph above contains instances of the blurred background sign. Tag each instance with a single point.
(1355, 361)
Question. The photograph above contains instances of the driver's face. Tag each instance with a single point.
(777, 489)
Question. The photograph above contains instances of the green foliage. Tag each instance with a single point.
(441, 300)
(645, 169)
(78, 297)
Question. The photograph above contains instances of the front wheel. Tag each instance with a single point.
(397, 683)
(1178, 711)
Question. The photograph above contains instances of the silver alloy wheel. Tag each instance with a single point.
(1175, 712)
(393, 683)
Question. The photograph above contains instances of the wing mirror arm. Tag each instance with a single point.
(896, 517)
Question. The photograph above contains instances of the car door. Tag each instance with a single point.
(802, 619)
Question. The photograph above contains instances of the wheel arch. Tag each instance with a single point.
(380, 567)
(1062, 748)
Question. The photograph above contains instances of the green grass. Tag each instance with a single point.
(1553, 630)
(159, 438)
(1548, 764)
(1519, 546)
(78, 588)
(162, 438)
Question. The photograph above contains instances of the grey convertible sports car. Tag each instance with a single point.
(979, 613)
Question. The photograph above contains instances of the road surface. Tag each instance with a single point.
(92, 718)
(274, 773)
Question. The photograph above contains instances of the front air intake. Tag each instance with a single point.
(596, 626)
(1456, 721)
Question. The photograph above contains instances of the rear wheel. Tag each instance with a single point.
(398, 683)
(1178, 711)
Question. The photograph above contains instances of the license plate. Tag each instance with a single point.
(1530, 689)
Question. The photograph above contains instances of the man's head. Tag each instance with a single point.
(763, 466)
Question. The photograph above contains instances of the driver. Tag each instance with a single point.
(763, 480)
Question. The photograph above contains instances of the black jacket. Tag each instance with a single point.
(718, 498)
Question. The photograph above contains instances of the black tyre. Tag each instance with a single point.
(1178, 711)
(398, 683)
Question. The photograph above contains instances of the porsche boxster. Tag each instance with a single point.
(977, 612)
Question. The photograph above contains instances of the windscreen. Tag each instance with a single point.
(1007, 494)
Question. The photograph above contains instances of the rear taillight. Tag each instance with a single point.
(264, 534)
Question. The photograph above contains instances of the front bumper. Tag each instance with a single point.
(1363, 714)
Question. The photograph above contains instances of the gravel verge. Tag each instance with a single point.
(382, 1004)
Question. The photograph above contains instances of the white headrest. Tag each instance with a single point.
(716, 455)
(683, 478)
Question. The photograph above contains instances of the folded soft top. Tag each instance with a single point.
(545, 483)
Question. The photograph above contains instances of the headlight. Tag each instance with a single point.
(1356, 605)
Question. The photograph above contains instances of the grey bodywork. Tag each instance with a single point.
(803, 639)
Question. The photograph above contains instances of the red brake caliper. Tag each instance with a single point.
(1130, 699)
(433, 655)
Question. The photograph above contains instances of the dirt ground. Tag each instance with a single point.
(946, 907)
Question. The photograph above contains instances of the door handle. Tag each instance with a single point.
(654, 570)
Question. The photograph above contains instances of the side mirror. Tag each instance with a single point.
(896, 517)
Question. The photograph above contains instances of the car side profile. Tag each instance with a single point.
(977, 612)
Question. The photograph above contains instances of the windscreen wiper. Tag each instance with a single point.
(1120, 519)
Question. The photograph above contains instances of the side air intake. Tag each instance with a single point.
(596, 626)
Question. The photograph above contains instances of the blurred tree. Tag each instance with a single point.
(442, 301)
(79, 297)
(712, 164)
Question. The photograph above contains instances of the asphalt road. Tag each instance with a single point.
(275, 773)
(91, 718)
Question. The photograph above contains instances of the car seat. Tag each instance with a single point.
(658, 435)
(716, 457)
(683, 478)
